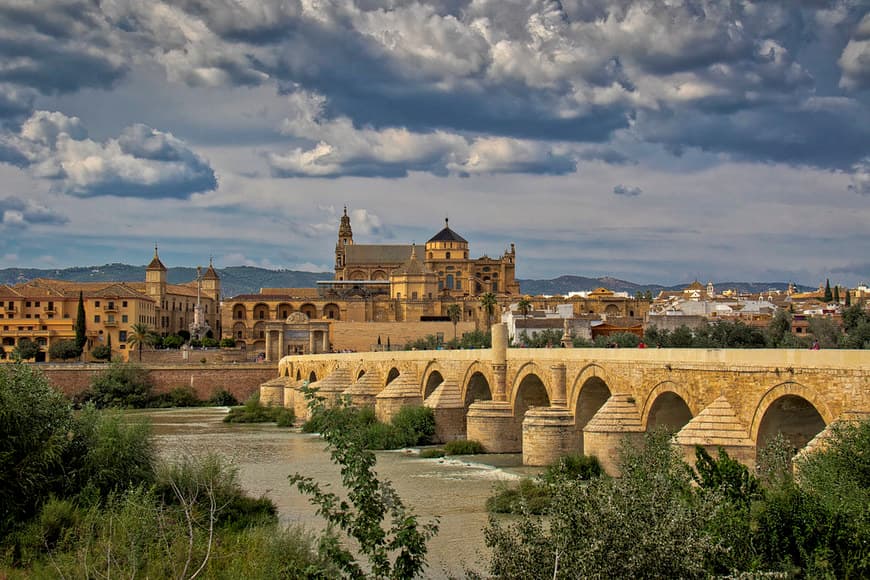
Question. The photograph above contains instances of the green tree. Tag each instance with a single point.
(138, 336)
(825, 330)
(828, 295)
(81, 324)
(848, 298)
(524, 306)
(837, 293)
(64, 350)
(109, 347)
(488, 301)
(397, 552)
(779, 327)
(454, 313)
(101, 352)
(123, 385)
(25, 350)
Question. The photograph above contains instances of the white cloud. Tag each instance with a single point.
(142, 162)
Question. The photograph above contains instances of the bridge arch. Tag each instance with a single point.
(392, 374)
(790, 408)
(312, 377)
(667, 405)
(589, 392)
(529, 390)
(476, 383)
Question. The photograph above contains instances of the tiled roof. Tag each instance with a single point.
(376, 254)
(447, 235)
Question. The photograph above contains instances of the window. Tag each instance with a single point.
(11, 305)
(413, 295)
(111, 318)
(27, 304)
(449, 282)
(458, 284)
(123, 318)
(239, 334)
(124, 304)
(111, 305)
(27, 315)
(96, 317)
(448, 255)
(37, 304)
(97, 303)
(51, 305)
(122, 336)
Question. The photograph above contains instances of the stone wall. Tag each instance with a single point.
(239, 379)
(363, 336)
(193, 356)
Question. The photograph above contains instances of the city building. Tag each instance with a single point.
(44, 310)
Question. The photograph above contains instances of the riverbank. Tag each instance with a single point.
(454, 489)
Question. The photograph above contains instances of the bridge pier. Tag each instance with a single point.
(272, 392)
(492, 423)
(616, 420)
(403, 391)
(548, 434)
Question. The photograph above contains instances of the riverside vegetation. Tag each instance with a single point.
(83, 495)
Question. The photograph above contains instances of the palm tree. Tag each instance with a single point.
(525, 307)
(488, 301)
(454, 312)
(138, 336)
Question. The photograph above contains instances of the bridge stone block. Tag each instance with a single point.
(362, 393)
(272, 393)
(548, 434)
(404, 391)
(616, 420)
(492, 423)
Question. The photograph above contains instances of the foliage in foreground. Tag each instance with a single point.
(662, 518)
(372, 517)
(410, 427)
(84, 497)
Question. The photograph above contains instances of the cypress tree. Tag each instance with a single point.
(109, 344)
(81, 338)
(828, 295)
(837, 293)
(848, 298)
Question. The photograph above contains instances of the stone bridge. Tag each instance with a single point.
(550, 402)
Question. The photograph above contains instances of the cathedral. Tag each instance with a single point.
(442, 269)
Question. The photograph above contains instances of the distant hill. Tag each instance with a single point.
(564, 284)
(248, 280)
(234, 279)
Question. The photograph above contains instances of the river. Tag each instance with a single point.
(452, 489)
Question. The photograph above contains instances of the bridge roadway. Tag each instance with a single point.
(549, 402)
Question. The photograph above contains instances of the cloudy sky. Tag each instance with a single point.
(652, 140)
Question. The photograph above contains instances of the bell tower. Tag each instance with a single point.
(155, 279)
(345, 238)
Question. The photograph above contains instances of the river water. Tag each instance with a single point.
(452, 489)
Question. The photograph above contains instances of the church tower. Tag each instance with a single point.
(345, 238)
(211, 283)
(155, 279)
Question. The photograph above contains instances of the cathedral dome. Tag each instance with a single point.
(447, 235)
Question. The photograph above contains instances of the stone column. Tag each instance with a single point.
(499, 361)
(326, 340)
(559, 383)
(268, 345)
(548, 432)
(281, 352)
(310, 341)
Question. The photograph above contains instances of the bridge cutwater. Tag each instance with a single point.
(550, 402)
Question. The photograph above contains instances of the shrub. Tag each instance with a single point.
(195, 343)
(26, 349)
(228, 343)
(101, 352)
(172, 341)
(210, 342)
(124, 385)
(183, 397)
(284, 417)
(463, 447)
(222, 398)
(433, 453)
(415, 424)
(529, 496)
(577, 467)
(253, 412)
(64, 350)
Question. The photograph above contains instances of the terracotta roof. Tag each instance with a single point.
(447, 235)
(210, 273)
(376, 254)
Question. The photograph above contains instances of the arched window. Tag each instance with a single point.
(448, 255)
(449, 283)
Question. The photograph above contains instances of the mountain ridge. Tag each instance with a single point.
(237, 280)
